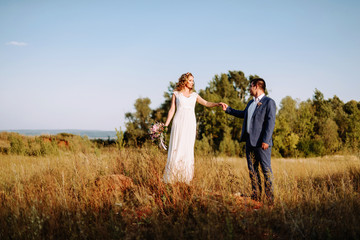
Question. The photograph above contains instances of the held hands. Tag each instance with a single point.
(223, 105)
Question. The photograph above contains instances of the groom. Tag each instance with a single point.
(257, 130)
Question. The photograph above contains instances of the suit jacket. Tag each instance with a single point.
(262, 122)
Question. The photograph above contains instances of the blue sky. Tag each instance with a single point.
(82, 64)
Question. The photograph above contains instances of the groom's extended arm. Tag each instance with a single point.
(229, 110)
(234, 112)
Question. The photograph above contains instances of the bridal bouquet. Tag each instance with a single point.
(157, 134)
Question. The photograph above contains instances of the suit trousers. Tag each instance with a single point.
(257, 156)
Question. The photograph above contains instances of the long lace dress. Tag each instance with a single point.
(180, 161)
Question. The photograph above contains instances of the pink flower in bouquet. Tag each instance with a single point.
(156, 132)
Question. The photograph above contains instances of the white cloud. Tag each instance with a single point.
(14, 43)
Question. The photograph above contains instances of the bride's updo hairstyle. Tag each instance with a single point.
(180, 85)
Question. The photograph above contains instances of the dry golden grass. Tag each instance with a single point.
(88, 195)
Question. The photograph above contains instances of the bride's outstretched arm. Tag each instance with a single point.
(171, 111)
(206, 103)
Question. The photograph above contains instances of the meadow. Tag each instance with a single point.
(84, 190)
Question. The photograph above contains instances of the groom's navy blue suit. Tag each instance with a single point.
(261, 130)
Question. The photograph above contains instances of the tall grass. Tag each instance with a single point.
(60, 197)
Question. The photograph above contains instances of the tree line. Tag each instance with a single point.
(315, 127)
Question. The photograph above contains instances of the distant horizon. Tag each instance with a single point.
(56, 129)
(92, 134)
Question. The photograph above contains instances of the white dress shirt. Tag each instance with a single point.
(251, 111)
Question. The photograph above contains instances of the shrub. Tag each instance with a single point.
(17, 146)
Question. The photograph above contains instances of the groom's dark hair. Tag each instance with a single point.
(259, 82)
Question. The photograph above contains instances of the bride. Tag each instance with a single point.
(180, 161)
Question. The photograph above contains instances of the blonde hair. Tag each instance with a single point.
(183, 79)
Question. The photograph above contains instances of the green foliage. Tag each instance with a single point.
(285, 139)
(32, 146)
(228, 146)
(214, 123)
(17, 146)
(204, 146)
(120, 143)
(352, 136)
(316, 127)
(138, 123)
(329, 134)
(49, 148)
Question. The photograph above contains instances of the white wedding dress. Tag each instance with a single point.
(180, 161)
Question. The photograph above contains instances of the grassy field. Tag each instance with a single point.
(105, 193)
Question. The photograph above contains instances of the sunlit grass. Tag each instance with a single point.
(76, 195)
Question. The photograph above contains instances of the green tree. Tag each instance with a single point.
(329, 134)
(305, 128)
(285, 136)
(352, 109)
(340, 117)
(224, 130)
(120, 143)
(323, 115)
(228, 146)
(322, 109)
(137, 124)
(204, 146)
